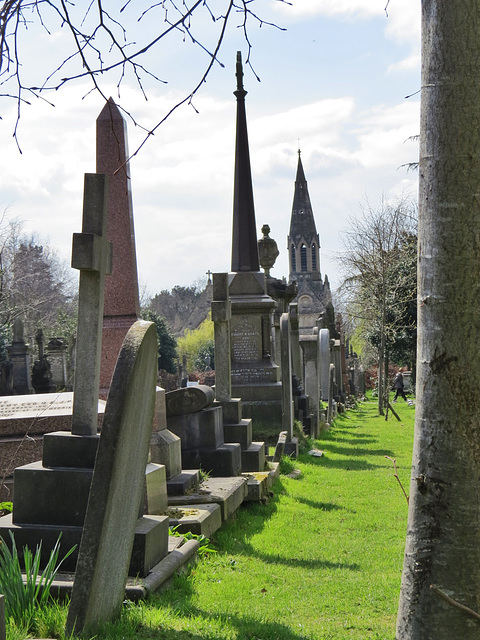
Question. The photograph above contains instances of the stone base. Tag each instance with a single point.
(228, 493)
(200, 519)
(166, 449)
(291, 448)
(253, 458)
(149, 547)
(183, 482)
(240, 432)
(222, 461)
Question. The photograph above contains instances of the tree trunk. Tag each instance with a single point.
(381, 353)
(443, 537)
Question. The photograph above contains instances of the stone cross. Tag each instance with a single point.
(92, 255)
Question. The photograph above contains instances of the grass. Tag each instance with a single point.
(321, 561)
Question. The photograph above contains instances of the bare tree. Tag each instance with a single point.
(379, 276)
(440, 595)
(110, 40)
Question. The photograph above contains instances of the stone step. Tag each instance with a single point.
(183, 482)
(200, 519)
(222, 461)
(240, 432)
(229, 493)
(253, 458)
(149, 547)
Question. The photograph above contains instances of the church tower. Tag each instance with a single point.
(304, 256)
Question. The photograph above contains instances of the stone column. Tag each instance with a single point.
(221, 315)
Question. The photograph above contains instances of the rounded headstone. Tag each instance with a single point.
(189, 400)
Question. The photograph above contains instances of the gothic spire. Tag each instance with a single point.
(302, 223)
(244, 236)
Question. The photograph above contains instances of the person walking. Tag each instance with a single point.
(399, 386)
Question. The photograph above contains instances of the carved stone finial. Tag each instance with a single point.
(267, 250)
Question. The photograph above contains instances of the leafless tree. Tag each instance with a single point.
(111, 40)
(378, 265)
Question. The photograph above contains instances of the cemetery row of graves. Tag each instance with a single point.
(114, 464)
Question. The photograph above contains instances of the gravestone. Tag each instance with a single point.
(236, 428)
(199, 425)
(324, 363)
(291, 445)
(51, 496)
(57, 357)
(121, 307)
(19, 356)
(117, 485)
(309, 345)
(41, 370)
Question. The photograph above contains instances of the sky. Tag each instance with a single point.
(334, 81)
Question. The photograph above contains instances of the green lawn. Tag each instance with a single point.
(322, 560)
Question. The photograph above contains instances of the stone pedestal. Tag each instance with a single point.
(255, 377)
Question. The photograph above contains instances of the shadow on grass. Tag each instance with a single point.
(356, 451)
(323, 506)
(348, 464)
(240, 627)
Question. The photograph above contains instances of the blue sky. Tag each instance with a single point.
(336, 80)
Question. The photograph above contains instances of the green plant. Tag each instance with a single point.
(204, 549)
(6, 507)
(205, 475)
(24, 595)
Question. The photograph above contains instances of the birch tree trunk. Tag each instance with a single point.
(443, 537)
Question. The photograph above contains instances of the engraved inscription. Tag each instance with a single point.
(246, 339)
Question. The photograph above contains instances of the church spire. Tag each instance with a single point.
(244, 236)
(303, 239)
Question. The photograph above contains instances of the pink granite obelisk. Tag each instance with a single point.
(122, 307)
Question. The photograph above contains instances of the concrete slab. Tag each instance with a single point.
(229, 493)
(200, 519)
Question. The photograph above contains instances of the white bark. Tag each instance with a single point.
(443, 538)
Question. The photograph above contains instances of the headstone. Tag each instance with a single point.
(287, 395)
(309, 344)
(117, 485)
(41, 370)
(189, 400)
(122, 307)
(331, 401)
(57, 357)
(199, 425)
(324, 363)
(51, 496)
(19, 355)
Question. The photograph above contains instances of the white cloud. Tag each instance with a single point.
(349, 8)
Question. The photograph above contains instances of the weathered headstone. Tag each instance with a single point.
(19, 355)
(117, 485)
(324, 363)
(57, 358)
(122, 307)
(287, 395)
(309, 344)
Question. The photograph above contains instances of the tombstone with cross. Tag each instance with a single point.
(51, 495)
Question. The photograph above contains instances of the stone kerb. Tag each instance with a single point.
(117, 485)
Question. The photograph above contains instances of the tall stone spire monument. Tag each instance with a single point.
(304, 256)
(255, 377)
(122, 307)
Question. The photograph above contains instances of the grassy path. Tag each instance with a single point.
(322, 560)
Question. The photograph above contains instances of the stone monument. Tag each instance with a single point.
(255, 377)
(117, 486)
(19, 356)
(122, 307)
